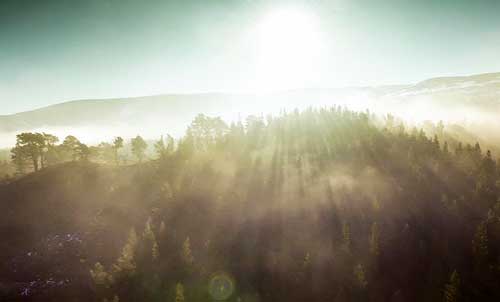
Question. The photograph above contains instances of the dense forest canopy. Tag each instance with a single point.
(316, 205)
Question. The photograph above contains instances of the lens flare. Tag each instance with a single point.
(221, 286)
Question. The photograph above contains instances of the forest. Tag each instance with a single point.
(323, 204)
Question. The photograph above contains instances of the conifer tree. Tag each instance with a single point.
(139, 146)
(480, 243)
(117, 145)
(451, 290)
(125, 264)
(360, 274)
(179, 293)
(375, 239)
(187, 255)
(100, 276)
(148, 231)
(155, 251)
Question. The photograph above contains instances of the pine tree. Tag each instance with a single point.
(125, 264)
(486, 189)
(100, 276)
(155, 251)
(480, 243)
(360, 274)
(451, 290)
(375, 239)
(148, 231)
(117, 145)
(139, 147)
(187, 255)
(179, 293)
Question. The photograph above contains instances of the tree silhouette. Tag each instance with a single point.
(187, 255)
(29, 146)
(265, 202)
(49, 149)
(375, 239)
(179, 293)
(451, 290)
(139, 146)
(125, 264)
(82, 152)
(117, 144)
(70, 147)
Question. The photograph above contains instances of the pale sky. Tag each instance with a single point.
(56, 50)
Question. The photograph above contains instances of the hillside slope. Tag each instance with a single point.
(307, 206)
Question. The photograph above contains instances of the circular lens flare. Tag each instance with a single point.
(221, 286)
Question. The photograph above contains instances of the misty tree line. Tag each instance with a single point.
(311, 206)
(316, 205)
(34, 151)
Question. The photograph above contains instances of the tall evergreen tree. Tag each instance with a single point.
(139, 146)
(179, 293)
(452, 289)
(117, 145)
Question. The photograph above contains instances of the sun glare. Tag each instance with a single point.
(288, 47)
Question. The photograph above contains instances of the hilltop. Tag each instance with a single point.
(311, 205)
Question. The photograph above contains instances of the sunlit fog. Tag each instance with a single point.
(249, 151)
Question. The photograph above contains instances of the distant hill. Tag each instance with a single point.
(482, 90)
(436, 98)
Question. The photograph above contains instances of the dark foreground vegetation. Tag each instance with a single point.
(319, 205)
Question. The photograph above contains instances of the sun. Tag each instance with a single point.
(288, 43)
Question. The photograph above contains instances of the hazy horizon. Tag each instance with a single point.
(67, 50)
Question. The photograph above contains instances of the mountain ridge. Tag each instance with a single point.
(472, 93)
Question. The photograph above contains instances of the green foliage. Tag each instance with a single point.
(452, 289)
(295, 206)
(360, 274)
(148, 230)
(179, 293)
(150, 236)
(205, 132)
(187, 255)
(480, 243)
(29, 147)
(139, 146)
(100, 277)
(70, 148)
(155, 251)
(165, 147)
(375, 239)
(125, 265)
(117, 145)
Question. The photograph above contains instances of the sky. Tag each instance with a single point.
(58, 50)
